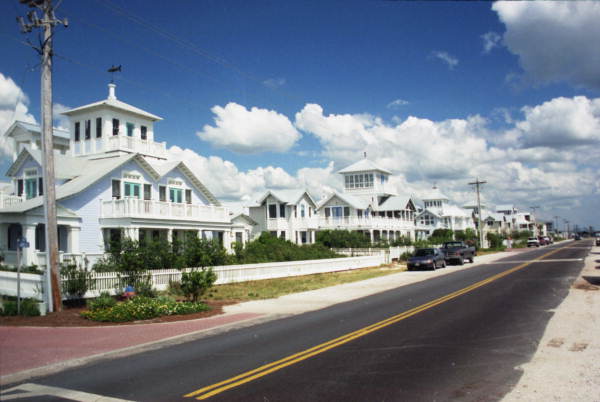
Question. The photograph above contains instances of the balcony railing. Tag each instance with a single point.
(136, 208)
(131, 144)
(292, 223)
(365, 223)
(7, 200)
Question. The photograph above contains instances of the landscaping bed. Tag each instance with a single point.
(71, 317)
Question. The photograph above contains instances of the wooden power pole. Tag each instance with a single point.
(477, 183)
(47, 23)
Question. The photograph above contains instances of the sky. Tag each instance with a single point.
(280, 94)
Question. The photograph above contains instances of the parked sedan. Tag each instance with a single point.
(598, 241)
(430, 258)
(533, 242)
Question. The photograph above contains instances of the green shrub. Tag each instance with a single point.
(342, 239)
(29, 308)
(144, 288)
(195, 283)
(75, 281)
(143, 308)
(405, 256)
(104, 301)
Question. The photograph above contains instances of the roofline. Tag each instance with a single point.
(98, 104)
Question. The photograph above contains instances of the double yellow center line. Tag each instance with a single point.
(214, 389)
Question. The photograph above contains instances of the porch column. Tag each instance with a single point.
(170, 235)
(29, 254)
(227, 236)
(73, 239)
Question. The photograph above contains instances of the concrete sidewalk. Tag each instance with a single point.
(32, 351)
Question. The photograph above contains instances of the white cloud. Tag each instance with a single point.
(490, 40)
(274, 82)
(249, 131)
(561, 122)
(450, 60)
(453, 152)
(554, 40)
(397, 103)
(13, 106)
(59, 120)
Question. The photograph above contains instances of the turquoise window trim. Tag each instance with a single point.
(132, 189)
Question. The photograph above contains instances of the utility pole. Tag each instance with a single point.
(556, 221)
(477, 183)
(47, 23)
(568, 229)
(536, 233)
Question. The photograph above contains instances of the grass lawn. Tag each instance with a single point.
(271, 288)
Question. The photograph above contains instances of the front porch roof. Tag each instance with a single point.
(291, 197)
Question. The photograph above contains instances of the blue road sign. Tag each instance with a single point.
(22, 243)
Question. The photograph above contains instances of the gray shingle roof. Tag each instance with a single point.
(363, 165)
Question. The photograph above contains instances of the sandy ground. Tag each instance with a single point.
(566, 365)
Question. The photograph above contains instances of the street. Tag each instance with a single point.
(457, 336)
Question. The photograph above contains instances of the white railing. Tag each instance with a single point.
(7, 200)
(110, 281)
(131, 144)
(292, 223)
(371, 222)
(134, 207)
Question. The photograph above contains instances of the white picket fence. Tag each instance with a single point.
(31, 284)
(389, 254)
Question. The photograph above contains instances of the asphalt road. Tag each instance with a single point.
(458, 336)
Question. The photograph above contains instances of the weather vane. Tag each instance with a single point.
(112, 72)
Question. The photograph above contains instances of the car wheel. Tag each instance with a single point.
(443, 263)
(471, 259)
(433, 266)
(461, 261)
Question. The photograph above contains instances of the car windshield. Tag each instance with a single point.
(532, 239)
(424, 252)
(454, 244)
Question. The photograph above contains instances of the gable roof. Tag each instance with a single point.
(195, 181)
(434, 194)
(245, 217)
(116, 104)
(35, 128)
(65, 167)
(428, 211)
(396, 203)
(354, 202)
(363, 165)
(288, 196)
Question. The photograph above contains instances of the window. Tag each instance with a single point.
(144, 132)
(272, 211)
(282, 235)
(309, 212)
(77, 131)
(130, 127)
(132, 190)
(162, 193)
(41, 186)
(346, 211)
(188, 196)
(20, 187)
(359, 181)
(88, 129)
(115, 124)
(282, 210)
(98, 127)
(359, 213)
(116, 189)
(175, 195)
(351, 182)
(302, 210)
(30, 188)
(347, 180)
(147, 191)
(369, 180)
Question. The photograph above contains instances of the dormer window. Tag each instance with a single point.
(144, 132)
(115, 126)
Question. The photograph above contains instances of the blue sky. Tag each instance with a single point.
(304, 88)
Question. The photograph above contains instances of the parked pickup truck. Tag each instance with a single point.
(458, 251)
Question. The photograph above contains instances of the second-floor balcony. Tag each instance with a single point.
(365, 223)
(137, 145)
(7, 200)
(292, 223)
(151, 209)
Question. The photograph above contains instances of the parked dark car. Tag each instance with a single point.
(598, 241)
(430, 258)
(458, 251)
(543, 241)
(577, 237)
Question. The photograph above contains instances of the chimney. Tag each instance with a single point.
(111, 91)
